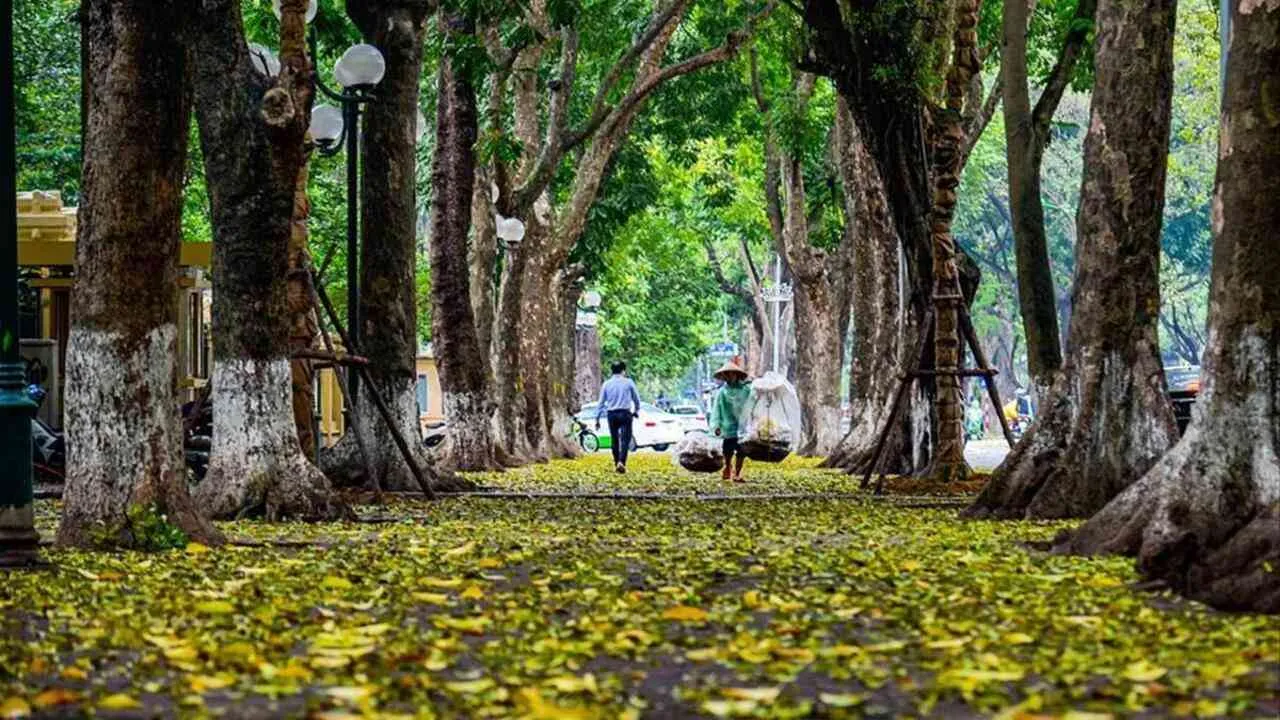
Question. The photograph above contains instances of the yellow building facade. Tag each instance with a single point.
(47, 245)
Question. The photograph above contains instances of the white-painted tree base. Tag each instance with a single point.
(124, 437)
(256, 463)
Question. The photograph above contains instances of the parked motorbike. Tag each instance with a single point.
(48, 446)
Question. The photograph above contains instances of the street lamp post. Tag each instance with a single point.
(18, 538)
(776, 295)
(358, 71)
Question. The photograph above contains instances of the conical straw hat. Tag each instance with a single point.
(730, 367)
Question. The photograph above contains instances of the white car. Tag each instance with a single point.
(691, 417)
(654, 427)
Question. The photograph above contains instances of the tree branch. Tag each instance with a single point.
(980, 120)
(653, 81)
(557, 118)
(713, 259)
(1072, 47)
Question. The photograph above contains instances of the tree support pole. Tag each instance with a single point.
(980, 359)
(18, 538)
(378, 402)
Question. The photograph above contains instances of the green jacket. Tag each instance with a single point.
(728, 405)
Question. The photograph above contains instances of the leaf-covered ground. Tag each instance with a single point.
(551, 607)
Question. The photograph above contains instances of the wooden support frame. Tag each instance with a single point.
(907, 379)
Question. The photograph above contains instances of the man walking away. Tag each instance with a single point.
(618, 398)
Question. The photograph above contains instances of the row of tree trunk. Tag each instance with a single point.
(148, 65)
(1203, 517)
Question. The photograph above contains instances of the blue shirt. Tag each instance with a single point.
(617, 393)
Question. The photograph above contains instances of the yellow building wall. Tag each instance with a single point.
(332, 418)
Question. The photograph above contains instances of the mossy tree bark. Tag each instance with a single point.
(252, 130)
(123, 428)
(1206, 518)
(1107, 419)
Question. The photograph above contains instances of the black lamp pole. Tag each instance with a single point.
(18, 538)
(350, 102)
(351, 125)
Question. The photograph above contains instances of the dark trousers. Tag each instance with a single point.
(620, 434)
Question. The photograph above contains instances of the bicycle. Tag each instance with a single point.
(587, 440)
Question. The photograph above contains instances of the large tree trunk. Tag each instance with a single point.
(820, 305)
(1106, 419)
(538, 314)
(509, 417)
(1206, 518)
(252, 129)
(888, 114)
(388, 335)
(883, 332)
(564, 402)
(467, 405)
(818, 370)
(123, 429)
(587, 364)
(482, 256)
(1026, 136)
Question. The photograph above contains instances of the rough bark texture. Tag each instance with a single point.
(1206, 518)
(949, 463)
(883, 332)
(482, 254)
(1026, 136)
(123, 429)
(304, 324)
(469, 444)
(388, 335)
(889, 116)
(564, 401)
(1106, 419)
(252, 130)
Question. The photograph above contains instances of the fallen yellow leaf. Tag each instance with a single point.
(118, 701)
(14, 707)
(685, 613)
(763, 695)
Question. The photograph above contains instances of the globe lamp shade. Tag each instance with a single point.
(360, 65)
(326, 124)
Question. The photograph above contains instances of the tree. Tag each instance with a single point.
(463, 371)
(124, 433)
(881, 345)
(251, 130)
(388, 332)
(1027, 135)
(1206, 518)
(1107, 419)
(820, 275)
(948, 162)
(885, 59)
(533, 410)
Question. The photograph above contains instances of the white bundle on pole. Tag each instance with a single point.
(770, 419)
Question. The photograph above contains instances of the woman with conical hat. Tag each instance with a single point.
(725, 411)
